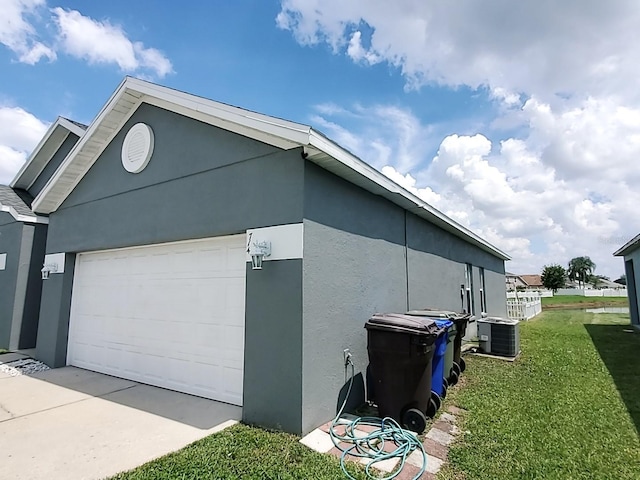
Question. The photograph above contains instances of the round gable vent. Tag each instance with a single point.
(137, 148)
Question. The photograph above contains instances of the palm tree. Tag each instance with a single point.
(580, 269)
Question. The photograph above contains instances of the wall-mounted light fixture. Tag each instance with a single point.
(53, 263)
(259, 251)
(49, 268)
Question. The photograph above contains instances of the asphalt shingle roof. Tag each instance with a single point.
(18, 199)
(81, 125)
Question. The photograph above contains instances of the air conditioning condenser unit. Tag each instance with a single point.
(499, 336)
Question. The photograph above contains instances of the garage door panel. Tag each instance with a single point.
(170, 315)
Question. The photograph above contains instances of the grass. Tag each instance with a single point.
(568, 408)
(243, 452)
(2, 350)
(578, 301)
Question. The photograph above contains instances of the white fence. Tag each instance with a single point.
(586, 292)
(524, 294)
(524, 310)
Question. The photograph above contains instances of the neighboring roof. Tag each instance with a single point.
(45, 150)
(628, 247)
(17, 203)
(274, 131)
(78, 124)
(531, 280)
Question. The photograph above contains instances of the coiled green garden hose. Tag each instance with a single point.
(372, 445)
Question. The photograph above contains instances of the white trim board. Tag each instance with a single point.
(3, 261)
(55, 136)
(23, 218)
(286, 241)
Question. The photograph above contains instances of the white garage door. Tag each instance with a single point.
(170, 315)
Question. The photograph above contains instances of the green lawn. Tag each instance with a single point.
(568, 408)
(579, 300)
(243, 452)
(2, 350)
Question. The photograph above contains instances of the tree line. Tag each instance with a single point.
(580, 269)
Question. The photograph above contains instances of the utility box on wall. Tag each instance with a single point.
(499, 336)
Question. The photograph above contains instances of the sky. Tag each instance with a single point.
(519, 120)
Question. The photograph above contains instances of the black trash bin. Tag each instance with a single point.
(400, 351)
(461, 320)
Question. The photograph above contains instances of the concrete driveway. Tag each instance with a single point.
(74, 424)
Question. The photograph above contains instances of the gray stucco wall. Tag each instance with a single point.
(201, 182)
(31, 312)
(363, 254)
(53, 329)
(273, 346)
(53, 164)
(437, 269)
(10, 243)
(633, 284)
(354, 266)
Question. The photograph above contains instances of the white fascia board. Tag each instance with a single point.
(627, 247)
(34, 154)
(277, 132)
(18, 181)
(322, 143)
(42, 204)
(72, 127)
(276, 127)
(23, 218)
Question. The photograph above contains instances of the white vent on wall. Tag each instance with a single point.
(137, 148)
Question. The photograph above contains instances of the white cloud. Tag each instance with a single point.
(546, 47)
(385, 131)
(19, 35)
(23, 22)
(513, 193)
(101, 42)
(20, 132)
(562, 75)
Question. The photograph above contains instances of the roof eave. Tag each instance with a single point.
(628, 247)
(281, 133)
(418, 206)
(19, 181)
(23, 218)
(124, 102)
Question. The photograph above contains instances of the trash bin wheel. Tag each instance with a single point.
(434, 405)
(463, 364)
(445, 386)
(414, 420)
(457, 368)
(437, 399)
(453, 379)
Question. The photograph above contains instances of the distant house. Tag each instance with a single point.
(523, 282)
(631, 253)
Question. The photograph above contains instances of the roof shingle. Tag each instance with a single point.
(17, 199)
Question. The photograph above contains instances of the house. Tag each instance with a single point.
(151, 218)
(523, 282)
(513, 281)
(630, 251)
(23, 236)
